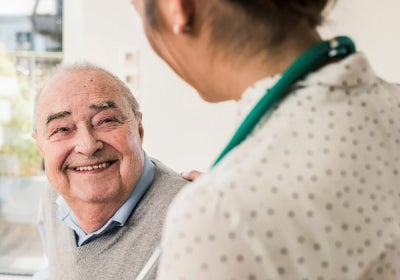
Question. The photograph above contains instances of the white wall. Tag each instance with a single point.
(374, 26)
(180, 129)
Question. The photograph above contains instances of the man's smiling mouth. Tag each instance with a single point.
(93, 167)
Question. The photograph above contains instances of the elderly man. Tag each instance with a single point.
(103, 214)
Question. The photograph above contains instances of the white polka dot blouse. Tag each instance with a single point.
(312, 194)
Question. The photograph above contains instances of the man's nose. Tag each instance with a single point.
(87, 142)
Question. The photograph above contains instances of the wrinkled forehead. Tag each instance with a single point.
(67, 86)
(78, 91)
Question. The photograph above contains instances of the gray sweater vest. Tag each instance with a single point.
(120, 253)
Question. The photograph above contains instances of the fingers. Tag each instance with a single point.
(191, 175)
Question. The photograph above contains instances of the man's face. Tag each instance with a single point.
(89, 138)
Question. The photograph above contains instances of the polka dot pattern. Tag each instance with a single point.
(313, 193)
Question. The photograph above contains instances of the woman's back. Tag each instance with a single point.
(313, 193)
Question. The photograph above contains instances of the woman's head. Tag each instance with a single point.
(232, 20)
(187, 33)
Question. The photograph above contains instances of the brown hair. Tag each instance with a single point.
(273, 11)
(263, 22)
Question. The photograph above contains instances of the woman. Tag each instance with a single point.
(311, 189)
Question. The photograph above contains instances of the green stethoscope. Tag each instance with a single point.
(313, 58)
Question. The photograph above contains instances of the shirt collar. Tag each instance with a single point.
(357, 70)
(65, 214)
(253, 94)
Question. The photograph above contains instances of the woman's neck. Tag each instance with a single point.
(240, 71)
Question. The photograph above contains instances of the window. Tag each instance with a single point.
(30, 49)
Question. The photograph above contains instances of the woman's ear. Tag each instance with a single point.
(179, 14)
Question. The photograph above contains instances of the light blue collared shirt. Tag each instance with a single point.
(65, 214)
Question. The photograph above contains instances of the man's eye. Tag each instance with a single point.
(107, 120)
(60, 130)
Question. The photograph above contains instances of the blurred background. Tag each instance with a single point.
(30, 49)
(180, 129)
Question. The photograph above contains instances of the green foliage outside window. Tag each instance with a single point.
(18, 153)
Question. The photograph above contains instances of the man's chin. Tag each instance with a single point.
(92, 194)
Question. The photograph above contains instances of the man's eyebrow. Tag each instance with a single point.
(104, 105)
(58, 115)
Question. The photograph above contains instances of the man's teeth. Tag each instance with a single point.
(93, 167)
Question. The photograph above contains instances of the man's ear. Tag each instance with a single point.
(140, 126)
(179, 14)
(34, 136)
